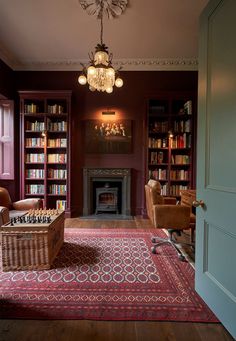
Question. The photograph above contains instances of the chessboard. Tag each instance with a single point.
(35, 216)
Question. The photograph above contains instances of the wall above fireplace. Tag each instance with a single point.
(94, 175)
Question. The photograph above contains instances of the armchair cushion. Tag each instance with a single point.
(171, 217)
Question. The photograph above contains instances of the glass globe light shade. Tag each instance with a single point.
(119, 82)
(101, 57)
(109, 90)
(110, 72)
(91, 70)
(82, 80)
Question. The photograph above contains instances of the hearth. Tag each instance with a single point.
(106, 190)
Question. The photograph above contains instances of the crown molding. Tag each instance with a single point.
(157, 64)
(9, 59)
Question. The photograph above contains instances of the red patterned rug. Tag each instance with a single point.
(106, 274)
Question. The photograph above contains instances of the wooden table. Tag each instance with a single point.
(31, 244)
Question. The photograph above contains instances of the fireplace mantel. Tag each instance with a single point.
(106, 174)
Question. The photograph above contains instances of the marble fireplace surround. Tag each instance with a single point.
(97, 174)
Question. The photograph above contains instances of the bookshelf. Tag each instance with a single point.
(45, 147)
(170, 142)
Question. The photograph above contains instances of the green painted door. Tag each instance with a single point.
(216, 161)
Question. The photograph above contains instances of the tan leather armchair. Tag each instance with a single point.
(165, 214)
(9, 209)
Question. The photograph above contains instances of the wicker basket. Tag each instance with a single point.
(31, 246)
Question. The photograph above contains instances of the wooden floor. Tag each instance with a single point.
(77, 330)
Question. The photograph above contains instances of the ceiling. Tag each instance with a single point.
(58, 34)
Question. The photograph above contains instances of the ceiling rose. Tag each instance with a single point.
(113, 8)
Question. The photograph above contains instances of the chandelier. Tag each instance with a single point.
(100, 74)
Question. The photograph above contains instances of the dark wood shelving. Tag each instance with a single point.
(37, 110)
(171, 139)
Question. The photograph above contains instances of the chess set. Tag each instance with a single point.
(36, 216)
(31, 241)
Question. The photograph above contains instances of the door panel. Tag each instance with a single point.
(216, 161)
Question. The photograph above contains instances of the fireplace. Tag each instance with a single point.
(106, 190)
(106, 199)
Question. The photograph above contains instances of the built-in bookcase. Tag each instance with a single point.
(171, 146)
(45, 147)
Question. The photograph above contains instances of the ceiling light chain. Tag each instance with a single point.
(100, 74)
(101, 34)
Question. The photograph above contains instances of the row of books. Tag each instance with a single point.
(161, 174)
(52, 126)
(157, 143)
(55, 109)
(34, 142)
(180, 159)
(34, 189)
(156, 158)
(57, 126)
(39, 189)
(57, 142)
(61, 205)
(175, 189)
(179, 174)
(39, 142)
(57, 173)
(35, 126)
(181, 141)
(33, 157)
(52, 173)
(34, 173)
(159, 127)
(57, 189)
(182, 126)
(52, 158)
(31, 108)
(178, 141)
(158, 174)
(57, 158)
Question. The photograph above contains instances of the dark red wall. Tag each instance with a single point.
(129, 103)
(6, 80)
(7, 91)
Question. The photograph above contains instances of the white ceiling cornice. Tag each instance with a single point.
(158, 64)
(9, 59)
(57, 35)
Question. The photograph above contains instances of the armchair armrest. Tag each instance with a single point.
(4, 215)
(27, 204)
(171, 217)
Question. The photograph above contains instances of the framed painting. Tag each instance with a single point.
(108, 137)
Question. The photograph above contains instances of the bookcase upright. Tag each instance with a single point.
(45, 147)
(171, 141)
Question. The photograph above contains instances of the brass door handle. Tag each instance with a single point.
(198, 203)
